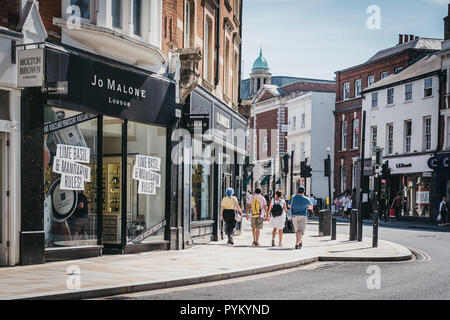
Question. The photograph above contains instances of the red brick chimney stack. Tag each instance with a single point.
(400, 39)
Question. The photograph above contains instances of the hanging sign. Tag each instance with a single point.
(150, 163)
(63, 166)
(147, 187)
(147, 175)
(30, 70)
(73, 153)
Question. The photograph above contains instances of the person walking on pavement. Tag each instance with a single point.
(299, 215)
(228, 209)
(397, 206)
(277, 211)
(443, 212)
(258, 206)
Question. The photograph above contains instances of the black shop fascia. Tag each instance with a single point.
(103, 106)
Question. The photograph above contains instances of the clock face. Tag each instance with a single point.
(63, 202)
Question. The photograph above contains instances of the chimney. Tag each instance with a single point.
(447, 25)
(411, 37)
(405, 38)
(400, 39)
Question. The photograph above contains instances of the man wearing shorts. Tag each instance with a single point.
(258, 207)
(299, 212)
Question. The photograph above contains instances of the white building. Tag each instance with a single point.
(310, 134)
(30, 29)
(402, 118)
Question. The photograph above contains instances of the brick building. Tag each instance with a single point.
(349, 84)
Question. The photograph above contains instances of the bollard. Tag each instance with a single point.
(333, 229)
(353, 225)
(324, 223)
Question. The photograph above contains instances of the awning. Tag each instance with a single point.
(247, 181)
(264, 181)
(279, 181)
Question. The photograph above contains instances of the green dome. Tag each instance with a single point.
(260, 62)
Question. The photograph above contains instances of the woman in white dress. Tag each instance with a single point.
(277, 211)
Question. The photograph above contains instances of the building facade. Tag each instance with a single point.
(402, 119)
(349, 84)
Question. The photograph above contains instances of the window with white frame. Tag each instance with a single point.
(374, 136)
(374, 99)
(294, 123)
(236, 8)
(85, 8)
(343, 178)
(427, 133)
(370, 80)
(384, 75)
(358, 88)
(346, 90)
(137, 17)
(355, 134)
(344, 135)
(428, 87)
(408, 135)
(189, 25)
(235, 79)
(408, 92)
(116, 13)
(390, 96)
(398, 69)
(303, 121)
(389, 138)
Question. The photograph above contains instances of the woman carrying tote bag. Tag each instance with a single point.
(228, 208)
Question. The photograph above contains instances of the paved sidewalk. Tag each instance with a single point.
(120, 274)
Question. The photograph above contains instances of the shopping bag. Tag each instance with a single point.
(237, 216)
(439, 218)
(392, 213)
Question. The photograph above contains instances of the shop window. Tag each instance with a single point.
(70, 205)
(201, 205)
(146, 185)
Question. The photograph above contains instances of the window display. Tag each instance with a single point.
(70, 156)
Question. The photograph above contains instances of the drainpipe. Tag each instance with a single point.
(216, 80)
(240, 55)
(440, 107)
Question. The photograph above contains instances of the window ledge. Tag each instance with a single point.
(409, 101)
(390, 105)
(429, 97)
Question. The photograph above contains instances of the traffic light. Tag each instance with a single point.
(385, 171)
(305, 170)
(327, 167)
(285, 164)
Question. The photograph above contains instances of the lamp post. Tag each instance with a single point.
(329, 176)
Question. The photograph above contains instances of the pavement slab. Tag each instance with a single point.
(112, 275)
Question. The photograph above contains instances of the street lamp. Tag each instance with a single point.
(328, 174)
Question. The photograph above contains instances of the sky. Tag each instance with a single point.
(315, 38)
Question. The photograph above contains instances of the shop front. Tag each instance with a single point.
(96, 147)
(414, 181)
(440, 164)
(218, 155)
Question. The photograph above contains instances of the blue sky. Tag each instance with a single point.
(315, 38)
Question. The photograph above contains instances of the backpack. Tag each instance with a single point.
(277, 210)
(256, 207)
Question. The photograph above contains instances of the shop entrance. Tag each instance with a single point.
(112, 183)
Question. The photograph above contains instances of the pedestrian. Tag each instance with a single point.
(299, 215)
(228, 209)
(79, 221)
(258, 207)
(397, 206)
(348, 205)
(277, 211)
(443, 212)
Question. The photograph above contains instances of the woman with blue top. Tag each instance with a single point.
(228, 209)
